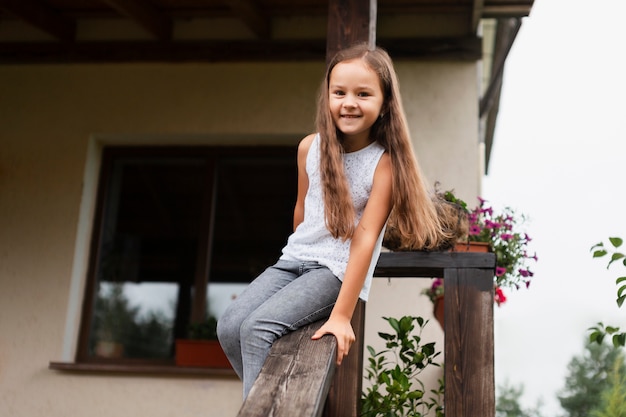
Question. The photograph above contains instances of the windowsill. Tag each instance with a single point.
(155, 370)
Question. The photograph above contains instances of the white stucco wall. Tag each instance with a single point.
(53, 117)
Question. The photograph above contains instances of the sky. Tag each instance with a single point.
(559, 157)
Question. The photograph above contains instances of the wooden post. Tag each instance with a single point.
(345, 392)
(469, 373)
(349, 22)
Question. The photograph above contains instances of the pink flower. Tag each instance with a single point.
(499, 296)
(500, 271)
(526, 273)
(474, 230)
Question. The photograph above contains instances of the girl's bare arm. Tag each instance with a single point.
(363, 241)
(303, 180)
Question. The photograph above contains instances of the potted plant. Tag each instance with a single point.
(502, 233)
(393, 373)
(202, 348)
(452, 213)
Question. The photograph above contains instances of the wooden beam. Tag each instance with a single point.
(429, 264)
(349, 22)
(453, 49)
(252, 16)
(507, 10)
(142, 12)
(295, 377)
(42, 17)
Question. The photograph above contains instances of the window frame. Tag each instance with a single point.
(213, 154)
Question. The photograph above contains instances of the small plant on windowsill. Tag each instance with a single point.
(206, 330)
(201, 349)
(396, 390)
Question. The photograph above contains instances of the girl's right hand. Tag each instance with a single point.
(343, 332)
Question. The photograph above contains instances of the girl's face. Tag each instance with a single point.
(355, 98)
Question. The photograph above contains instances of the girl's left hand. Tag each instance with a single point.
(342, 330)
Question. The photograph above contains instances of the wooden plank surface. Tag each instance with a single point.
(295, 378)
(429, 264)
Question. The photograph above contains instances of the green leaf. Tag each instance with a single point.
(394, 324)
(620, 300)
(596, 336)
(620, 279)
(611, 329)
(599, 253)
(616, 241)
(406, 324)
(386, 336)
(597, 245)
(619, 339)
(615, 257)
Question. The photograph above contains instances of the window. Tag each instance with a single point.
(178, 232)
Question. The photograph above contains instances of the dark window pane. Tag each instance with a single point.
(148, 252)
(253, 215)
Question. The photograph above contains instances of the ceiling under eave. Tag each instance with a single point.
(98, 31)
(45, 31)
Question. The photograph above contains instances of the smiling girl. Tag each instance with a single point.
(357, 174)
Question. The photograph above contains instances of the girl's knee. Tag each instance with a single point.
(227, 329)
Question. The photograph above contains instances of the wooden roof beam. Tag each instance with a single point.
(252, 16)
(149, 18)
(457, 49)
(42, 17)
(504, 10)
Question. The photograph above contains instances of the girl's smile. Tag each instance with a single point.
(355, 100)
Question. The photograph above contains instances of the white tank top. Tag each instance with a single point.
(311, 241)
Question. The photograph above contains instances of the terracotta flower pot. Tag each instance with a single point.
(438, 310)
(471, 247)
(201, 353)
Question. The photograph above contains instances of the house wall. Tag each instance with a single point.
(54, 120)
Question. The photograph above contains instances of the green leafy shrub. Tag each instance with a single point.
(393, 373)
(599, 332)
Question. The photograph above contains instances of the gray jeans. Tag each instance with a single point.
(283, 298)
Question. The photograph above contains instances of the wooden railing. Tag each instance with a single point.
(299, 378)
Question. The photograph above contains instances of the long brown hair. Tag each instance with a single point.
(413, 215)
